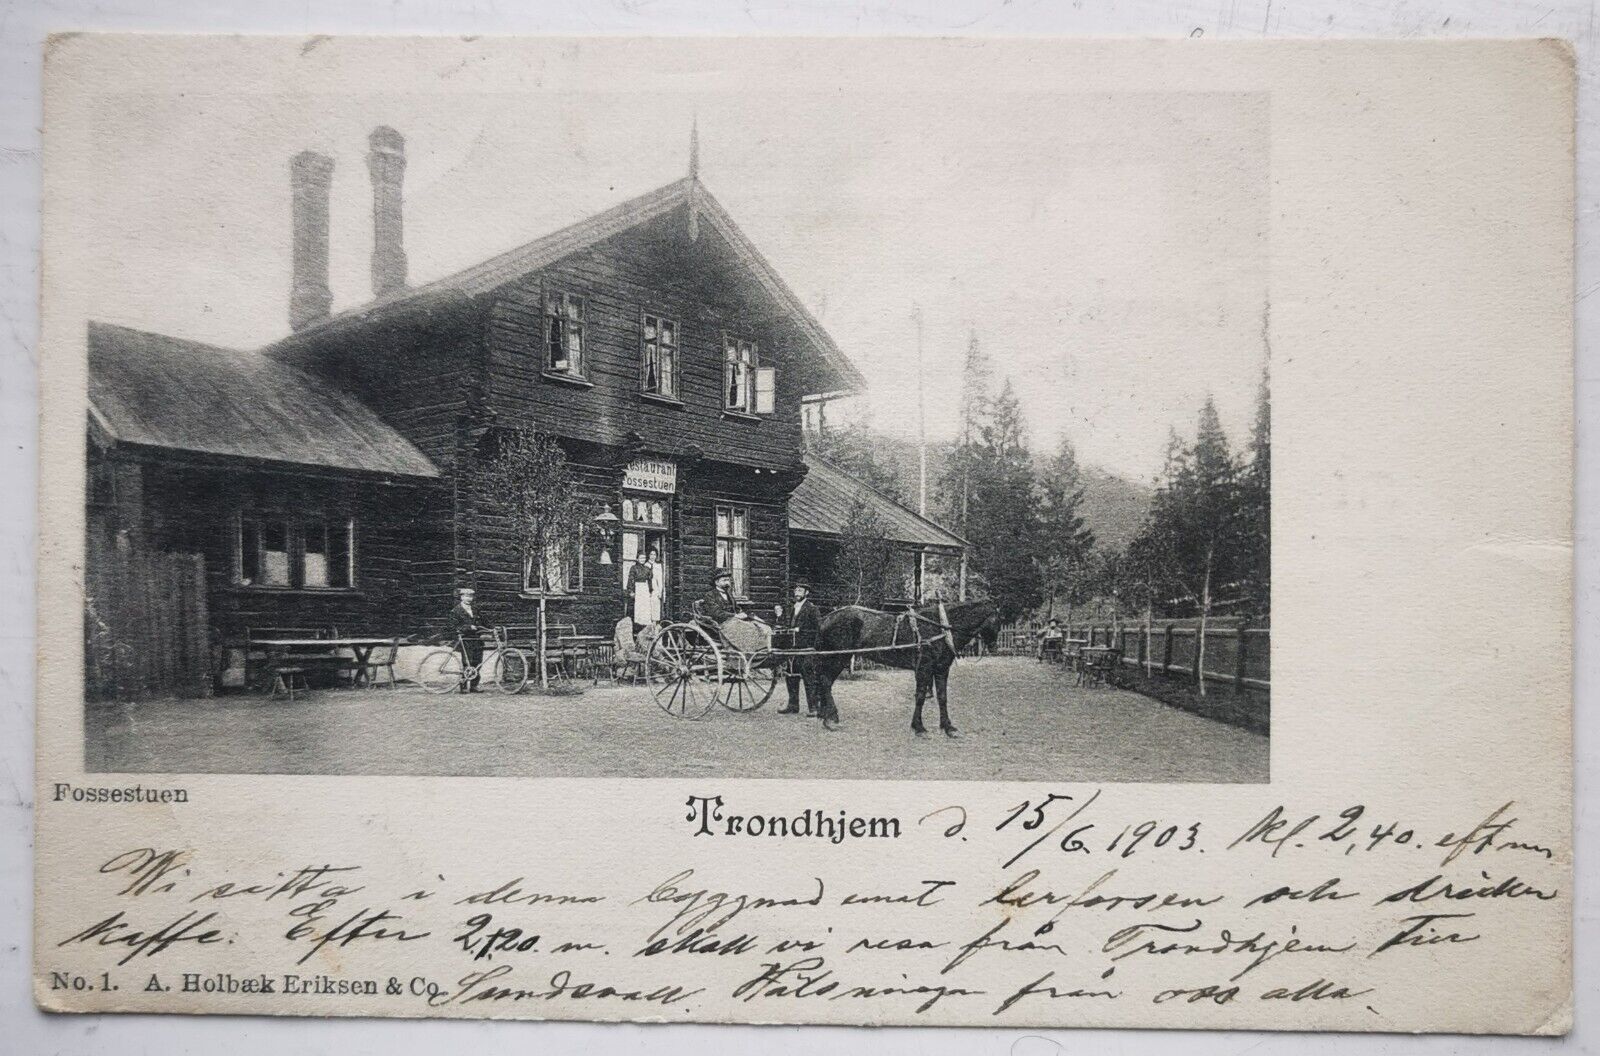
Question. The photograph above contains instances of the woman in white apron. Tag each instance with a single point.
(646, 586)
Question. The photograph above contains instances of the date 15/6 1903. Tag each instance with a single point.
(1059, 815)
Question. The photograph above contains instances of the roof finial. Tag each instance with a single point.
(694, 179)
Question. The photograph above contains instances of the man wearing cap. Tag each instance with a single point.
(463, 624)
(800, 616)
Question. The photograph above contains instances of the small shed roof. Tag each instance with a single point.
(159, 391)
(828, 496)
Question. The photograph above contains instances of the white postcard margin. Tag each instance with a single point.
(1421, 326)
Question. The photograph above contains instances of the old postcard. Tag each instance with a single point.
(948, 532)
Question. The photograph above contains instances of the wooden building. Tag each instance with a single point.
(334, 476)
(304, 506)
(832, 514)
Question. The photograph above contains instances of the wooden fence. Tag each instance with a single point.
(1236, 656)
(144, 624)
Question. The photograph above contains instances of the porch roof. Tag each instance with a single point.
(828, 497)
(164, 392)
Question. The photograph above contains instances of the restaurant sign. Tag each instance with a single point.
(651, 474)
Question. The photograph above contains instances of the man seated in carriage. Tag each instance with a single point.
(718, 610)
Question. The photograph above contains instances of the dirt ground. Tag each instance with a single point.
(1020, 721)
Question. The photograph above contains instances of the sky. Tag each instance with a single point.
(1109, 251)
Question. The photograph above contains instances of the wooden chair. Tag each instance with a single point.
(559, 659)
(565, 660)
(1100, 667)
(627, 659)
(597, 659)
(284, 677)
(382, 657)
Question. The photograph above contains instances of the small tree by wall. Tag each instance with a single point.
(864, 561)
(529, 478)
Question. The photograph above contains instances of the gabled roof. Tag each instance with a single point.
(164, 392)
(542, 252)
(828, 497)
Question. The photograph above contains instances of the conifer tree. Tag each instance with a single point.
(977, 381)
(1003, 511)
(1065, 542)
(1256, 499)
(1194, 542)
(854, 448)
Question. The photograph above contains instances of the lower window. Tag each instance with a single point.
(733, 546)
(273, 550)
(560, 571)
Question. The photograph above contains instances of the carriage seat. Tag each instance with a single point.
(746, 636)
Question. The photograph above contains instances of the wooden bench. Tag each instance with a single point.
(274, 670)
(257, 656)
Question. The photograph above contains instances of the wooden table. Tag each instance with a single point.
(324, 648)
(1097, 664)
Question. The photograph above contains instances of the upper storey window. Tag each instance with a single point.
(747, 386)
(564, 332)
(659, 356)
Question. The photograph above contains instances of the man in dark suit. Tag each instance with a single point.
(717, 604)
(800, 616)
(463, 623)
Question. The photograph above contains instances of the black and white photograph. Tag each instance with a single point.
(768, 532)
(479, 436)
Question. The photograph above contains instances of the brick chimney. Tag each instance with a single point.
(310, 178)
(386, 161)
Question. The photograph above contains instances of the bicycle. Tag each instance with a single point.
(503, 666)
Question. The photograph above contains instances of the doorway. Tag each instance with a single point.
(646, 525)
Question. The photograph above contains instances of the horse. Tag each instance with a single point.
(922, 642)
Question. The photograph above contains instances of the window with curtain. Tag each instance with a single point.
(326, 561)
(309, 552)
(560, 571)
(659, 369)
(739, 361)
(733, 546)
(564, 332)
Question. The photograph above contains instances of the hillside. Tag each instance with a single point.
(1113, 507)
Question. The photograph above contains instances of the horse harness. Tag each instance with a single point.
(915, 620)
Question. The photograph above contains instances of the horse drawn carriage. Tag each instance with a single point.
(692, 666)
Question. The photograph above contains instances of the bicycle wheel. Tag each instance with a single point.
(510, 671)
(440, 671)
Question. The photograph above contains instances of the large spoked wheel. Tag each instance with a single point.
(440, 671)
(509, 672)
(684, 671)
(749, 682)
